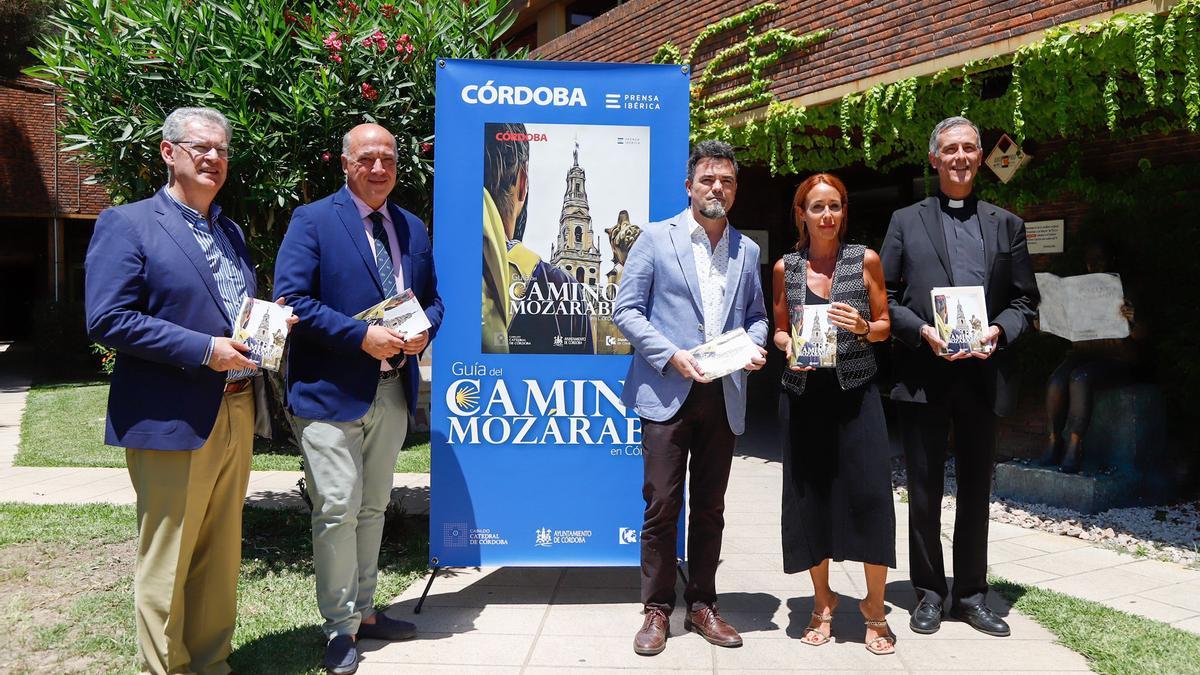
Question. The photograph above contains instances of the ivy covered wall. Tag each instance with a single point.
(1128, 86)
(1126, 76)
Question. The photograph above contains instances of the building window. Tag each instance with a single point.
(579, 274)
(583, 11)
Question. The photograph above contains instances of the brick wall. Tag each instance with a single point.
(872, 36)
(28, 149)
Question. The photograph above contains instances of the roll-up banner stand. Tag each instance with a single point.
(544, 175)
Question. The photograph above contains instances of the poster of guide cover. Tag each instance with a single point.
(1083, 307)
(960, 316)
(814, 337)
(562, 205)
(725, 353)
(262, 326)
(401, 312)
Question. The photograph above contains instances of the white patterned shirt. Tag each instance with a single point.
(711, 265)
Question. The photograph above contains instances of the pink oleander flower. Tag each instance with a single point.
(369, 92)
(325, 156)
(333, 43)
(426, 147)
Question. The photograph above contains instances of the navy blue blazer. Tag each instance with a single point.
(327, 273)
(151, 295)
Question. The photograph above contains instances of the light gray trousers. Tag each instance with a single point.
(348, 467)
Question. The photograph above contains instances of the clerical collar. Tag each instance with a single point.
(957, 205)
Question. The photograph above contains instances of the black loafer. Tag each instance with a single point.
(981, 618)
(386, 628)
(926, 618)
(341, 655)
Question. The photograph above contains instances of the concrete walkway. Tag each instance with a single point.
(558, 620)
(543, 620)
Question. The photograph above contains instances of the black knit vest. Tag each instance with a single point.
(855, 360)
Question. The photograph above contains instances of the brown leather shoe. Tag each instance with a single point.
(652, 638)
(712, 627)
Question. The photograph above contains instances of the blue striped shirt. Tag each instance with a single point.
(223, 260)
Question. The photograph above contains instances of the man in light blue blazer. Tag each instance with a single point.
(352, 386)
(687, 280)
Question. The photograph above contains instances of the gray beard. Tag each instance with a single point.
(713, 210)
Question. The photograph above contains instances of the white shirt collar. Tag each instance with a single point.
(694, 225)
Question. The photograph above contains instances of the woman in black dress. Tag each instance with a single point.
(837, 493)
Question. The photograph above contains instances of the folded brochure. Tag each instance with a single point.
(814, 337)
(726, 353)
(960, 317)
(401, 313)
(262, 326)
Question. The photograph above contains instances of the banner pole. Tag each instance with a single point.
(678, 566)
(435, 568)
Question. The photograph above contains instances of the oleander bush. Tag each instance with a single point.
(291, 77)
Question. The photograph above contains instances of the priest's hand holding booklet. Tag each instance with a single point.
(724, 354)
(961, 328)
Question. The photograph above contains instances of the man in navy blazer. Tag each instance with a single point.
(352, 386)
(165, 278)
(686, 281)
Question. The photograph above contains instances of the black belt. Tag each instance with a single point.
(388, 374)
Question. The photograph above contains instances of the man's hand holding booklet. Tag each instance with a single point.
(401, 313)
(726, 353)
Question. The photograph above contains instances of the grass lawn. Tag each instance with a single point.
(63, 425)
(66, 599)
(1113, 641)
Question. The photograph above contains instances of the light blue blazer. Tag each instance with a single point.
(660, 311)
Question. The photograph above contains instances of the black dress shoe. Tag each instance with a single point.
(926, 619)
(341, 655)
(981, 618)
(386, 628)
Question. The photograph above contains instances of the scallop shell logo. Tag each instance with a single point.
(466, 397)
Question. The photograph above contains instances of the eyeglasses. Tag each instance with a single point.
(368, 163)
(200, 149)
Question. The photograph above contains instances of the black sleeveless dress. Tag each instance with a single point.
(837, 487)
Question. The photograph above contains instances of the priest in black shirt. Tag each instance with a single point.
(954, 239)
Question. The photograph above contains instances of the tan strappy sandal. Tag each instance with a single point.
(821, 637)
(884, 644)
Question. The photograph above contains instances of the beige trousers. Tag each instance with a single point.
(189, 512)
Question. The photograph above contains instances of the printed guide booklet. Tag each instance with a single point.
(262, 326)
(814, 337)
(401, 312)
(725, 353)
(960, 317)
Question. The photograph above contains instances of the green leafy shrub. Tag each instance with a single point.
(291, 77)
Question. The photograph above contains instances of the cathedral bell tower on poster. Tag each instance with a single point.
(574, 250)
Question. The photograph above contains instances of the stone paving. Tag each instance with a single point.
(534, 620)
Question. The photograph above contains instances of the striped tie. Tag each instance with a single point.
(387, 273)
(383, 255)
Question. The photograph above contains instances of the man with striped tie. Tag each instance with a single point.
(165, 278)
(352, 386)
